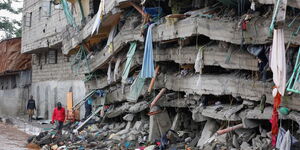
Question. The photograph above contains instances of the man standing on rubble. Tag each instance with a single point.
(88, 106)
(30, 108)
(58, 117)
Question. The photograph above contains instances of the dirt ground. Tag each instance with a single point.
(11, 138)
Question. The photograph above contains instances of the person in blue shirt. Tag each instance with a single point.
(88, 106)
(89, 102)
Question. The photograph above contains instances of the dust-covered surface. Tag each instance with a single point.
(11, 138)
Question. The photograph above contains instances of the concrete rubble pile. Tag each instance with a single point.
(217, 126)
(193, 77)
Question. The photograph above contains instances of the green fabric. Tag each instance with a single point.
(68, 13)
(271, 28)
(293, 83)
(81, 10)
(130, 55)
(136, 89)
(81, 61)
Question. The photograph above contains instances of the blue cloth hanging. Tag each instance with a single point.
(148, 62)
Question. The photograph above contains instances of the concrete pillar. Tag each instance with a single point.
(159, 124)
(176, 122)
(211, 126)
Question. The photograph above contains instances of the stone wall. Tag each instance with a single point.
(45, 70)
(13, 101)
(14, 93)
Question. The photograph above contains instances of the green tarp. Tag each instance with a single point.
(130, 55)
(136, 88)
(68, 13)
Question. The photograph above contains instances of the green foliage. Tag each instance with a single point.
(11, 27)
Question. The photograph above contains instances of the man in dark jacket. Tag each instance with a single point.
(58, 117)
(30, 108)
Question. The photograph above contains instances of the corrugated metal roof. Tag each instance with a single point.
(11, 58)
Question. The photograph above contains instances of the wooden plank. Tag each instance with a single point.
(69, 100)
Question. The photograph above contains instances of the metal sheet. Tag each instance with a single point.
(11, 59)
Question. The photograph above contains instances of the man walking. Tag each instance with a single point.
(30, 108)
(58, 117)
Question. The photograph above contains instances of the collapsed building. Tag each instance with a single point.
(196, 67)
(15, 77)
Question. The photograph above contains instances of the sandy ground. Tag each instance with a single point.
(11, 138)
(14, 137)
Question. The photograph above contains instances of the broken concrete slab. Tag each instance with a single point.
(192, 26)
(224, 84)
(138, 107)
(247, 123)
(117, 111)
(267, 114)
(213, 55)
(126, 130)
(138, 125)
(179, 102)
(226, 113)
(128, 117)
(176, 122)
(245, 146)
(197, 115)
(211, 126)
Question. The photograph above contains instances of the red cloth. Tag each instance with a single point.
(58, 114)
(274, 120)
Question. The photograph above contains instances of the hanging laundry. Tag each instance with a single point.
(252, 5)
(130, 55)
(199, 63)
(109, 73)
(136, 88)
(274, 120)
(148, 62)
(116, 70)
(68, 13)
(99, 17)
(110, 39)
(285, 140)
(278, 61)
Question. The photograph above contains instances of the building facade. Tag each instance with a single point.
(15, 78)
(52, 75)
(205, 62)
